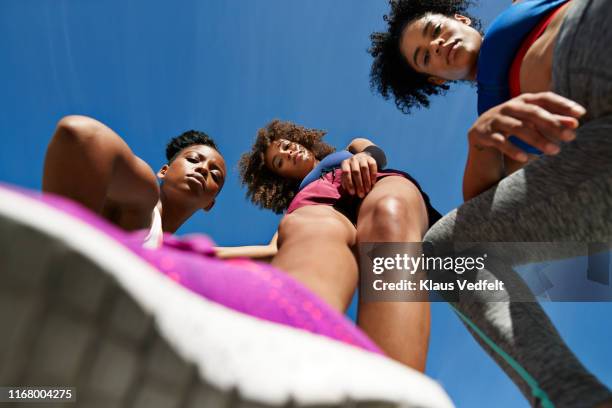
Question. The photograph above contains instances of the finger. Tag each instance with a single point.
(356, 176)
(547, 124)
(501, 143)
(346, 177)
(570, 125)
(556, 104)
(568, 122)
(365, 175)
(526, 132)
(373, 171)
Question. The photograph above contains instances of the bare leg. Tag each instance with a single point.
(315, 248)
(394, 211)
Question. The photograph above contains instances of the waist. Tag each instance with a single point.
(531, 70)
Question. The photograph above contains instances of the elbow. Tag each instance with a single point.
(358, 144)
(361, 140)
(77, 129)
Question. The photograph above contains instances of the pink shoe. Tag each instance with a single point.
(80, 308)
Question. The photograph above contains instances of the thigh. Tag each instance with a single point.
(315, 222)
(582, 62)
(315, 248)
(562, 198)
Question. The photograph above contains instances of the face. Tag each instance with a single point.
(289, 159)
(197, 173)
(442, 47)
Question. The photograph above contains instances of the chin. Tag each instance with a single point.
(465, 67)
(310, 165)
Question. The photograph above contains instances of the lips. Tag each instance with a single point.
(452, 51)
(297, 154)
(199, 178)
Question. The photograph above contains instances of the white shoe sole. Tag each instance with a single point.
(77, 309)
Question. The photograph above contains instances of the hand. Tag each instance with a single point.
(542, 120)
(359, 174)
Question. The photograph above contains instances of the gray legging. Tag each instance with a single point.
(562, 198)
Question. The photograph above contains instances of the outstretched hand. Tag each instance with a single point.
(359, 174)
(542, 120)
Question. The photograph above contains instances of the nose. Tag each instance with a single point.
(203, 169)
(291, 150)
(435, 46)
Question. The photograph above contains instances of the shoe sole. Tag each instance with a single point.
(77, 309)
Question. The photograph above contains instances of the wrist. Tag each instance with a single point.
(377, 154)
(473, 141)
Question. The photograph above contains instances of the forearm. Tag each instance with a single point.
(483, 169)
(250, 251)
(260, 252)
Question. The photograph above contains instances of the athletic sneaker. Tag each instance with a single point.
(79, 309)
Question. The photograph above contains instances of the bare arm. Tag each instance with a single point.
(483, 169)
(89, 163)
(260, 252)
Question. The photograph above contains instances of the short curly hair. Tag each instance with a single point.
(390, 71)
(265, 188)
(186, 139)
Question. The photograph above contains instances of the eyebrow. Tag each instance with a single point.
(424, 34)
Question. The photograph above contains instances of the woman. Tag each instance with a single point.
(334, 201)
(431, 43)
(565, 196)
(89, 163)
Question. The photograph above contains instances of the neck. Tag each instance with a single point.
(314, 164)
(172, 215)
(473, 73)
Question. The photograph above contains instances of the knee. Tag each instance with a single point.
(391, 217)
(76, 128)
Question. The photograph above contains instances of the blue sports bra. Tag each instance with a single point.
(500, 45)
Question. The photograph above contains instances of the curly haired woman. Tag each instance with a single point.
(564, 196)
(429, 43)
(533, 46)
(334, 201)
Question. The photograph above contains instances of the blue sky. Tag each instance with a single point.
(152, 69)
